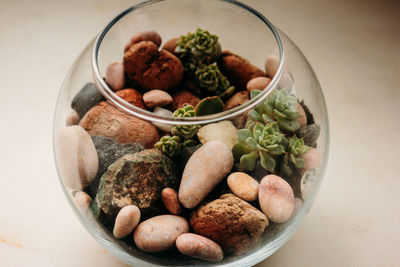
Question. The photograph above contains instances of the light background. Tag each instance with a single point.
(354, 47)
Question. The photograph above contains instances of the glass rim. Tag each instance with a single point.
(130, 109)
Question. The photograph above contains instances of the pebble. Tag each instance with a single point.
(127, 219)
(307, 182)
(303, 119)
(156, 98)
(82, 202)
(199, 247)
(159, 233)
(258, 83)
(243, 186)
(276, 198)
(182, 97)
(76, 157)
(72, 118)
(203, 171)
(312, 159)
(271, 65)
(310, 134)
(132, 96)
(115, 76)
(170, 45)
(151, 36)
(163, 112)
(87, 98)
(223, 131)
(237, 99)
(170, 199)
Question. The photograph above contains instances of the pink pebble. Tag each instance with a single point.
(82, 202)
(271, 65)
(127, 219)
(303, 119)
(200, 247)
(72, 118)
(170, 199)
(258, 83)
(157, 98)
(312, 159)
(115, 76)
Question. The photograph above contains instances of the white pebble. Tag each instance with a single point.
(223, 131)
(166, 113)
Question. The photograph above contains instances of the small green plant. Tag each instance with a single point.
(210, 79)
(169, 145)
(185, 131)
(290, 160)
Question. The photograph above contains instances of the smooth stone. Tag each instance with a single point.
(258, 83)
(230, 221)
(243, 186)
(82, 201)
(163, 112)
(200, 247)
(298, 204)
(135, 179)
(307, 182)
(87, 98)
(170, 198)
(237, 99)
(204, 170)
(72, 118)
(170, 45)
(151, 36)
(127, 219)
(303, 119)
(115, 76)
(160, 233)
(271, 65)
(76, 157)
(156, 98)
(276, 198)
(223, 131)
(310, 134)
(312, 159)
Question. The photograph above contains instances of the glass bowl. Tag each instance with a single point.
(242, 30)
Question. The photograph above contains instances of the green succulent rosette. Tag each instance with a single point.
(185, 131)
(279, 106)
(169, 145)
(291, 161)
(210, 78)
(259, 141)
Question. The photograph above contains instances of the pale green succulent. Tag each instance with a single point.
(169, 145)
(185, 131)
(210, 78)
(259, 141)
(290, 160)
(280, 106)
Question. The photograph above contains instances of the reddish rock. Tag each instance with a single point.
(237, 99)
(105, 120)
(170, 45)
(170, 198)
(183, 97)
(132, 96)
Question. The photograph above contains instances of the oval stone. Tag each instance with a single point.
(170, 199)
(76, 157)
(82, 202)
(303, 119)
(159, 233)
(243, 186)
(276, 198)
(199, 247)
(223, 131)
(163, 112)
(156, 98)
(72, 118)
(127, 219)
(271, 65)
(258, 83)
(312, 159)
(115, 76)
(203, 171)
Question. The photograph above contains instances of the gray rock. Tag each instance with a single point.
(310, 134)
(135, 179)
(87, 98)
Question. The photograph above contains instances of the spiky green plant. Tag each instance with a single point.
(169, 145)
(280, 106)
(185, 131)
(264, 142)
(210, 78)
(290, 160)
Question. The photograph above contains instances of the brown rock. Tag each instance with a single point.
(231, 222)
(132, 96)
(151, 36)
(105, 120)
(152, 69)
(237, 99)
(170, 198)
(238, 70)
(183, 97)
(170, 45)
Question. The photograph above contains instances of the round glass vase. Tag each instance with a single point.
(241, 30)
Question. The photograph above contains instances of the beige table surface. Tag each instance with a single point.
(354, 47)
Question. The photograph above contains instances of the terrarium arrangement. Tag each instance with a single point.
(205, 191)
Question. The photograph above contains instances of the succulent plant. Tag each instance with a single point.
(201, 44)
(259, 141)
(169, 145)
(290, 160)
(279, 106)
(209, 105)
(210, 78)
(185, 131)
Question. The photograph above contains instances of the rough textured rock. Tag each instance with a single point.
(310, 134)
(160, 233)
(132, 96)
(76, 157)
(204, 170)
(231, 222)
(127, 219)
(238, 70)
(151, 36)
(87, 98)
(180, 98)
(237, 99)
(223, 131)
(198, 246)
(105, 120)
(135, 179)
(115, 76)
(152, 69)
